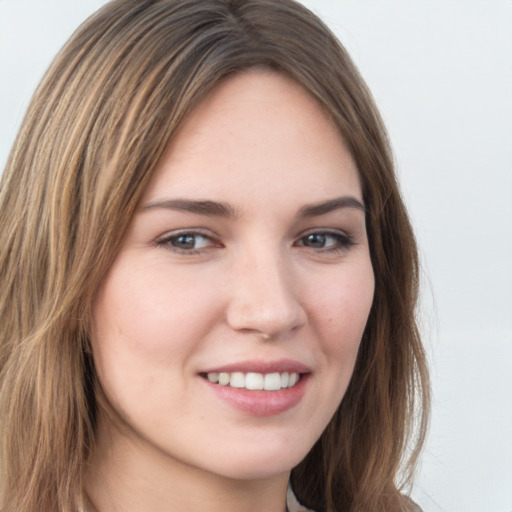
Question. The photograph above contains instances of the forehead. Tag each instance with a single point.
(257, 131)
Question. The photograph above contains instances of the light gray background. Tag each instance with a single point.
(441, 72)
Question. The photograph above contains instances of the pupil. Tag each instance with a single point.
(316, 240)
(185, 241)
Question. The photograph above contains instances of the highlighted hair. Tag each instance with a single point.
(93, 133)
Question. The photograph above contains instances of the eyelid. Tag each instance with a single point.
(345, 239)
(324, 231)
(186, 231)
(164, 240)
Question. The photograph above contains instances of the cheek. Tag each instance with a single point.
(148, 310)
(339, 316)
(340, 311)
(129, 339)
(147, 325)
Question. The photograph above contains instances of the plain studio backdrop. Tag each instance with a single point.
(441, 73)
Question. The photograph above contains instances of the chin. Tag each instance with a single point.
(259, 466)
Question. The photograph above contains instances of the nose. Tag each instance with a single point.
(264, 297)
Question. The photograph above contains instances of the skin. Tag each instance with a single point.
(264, 283)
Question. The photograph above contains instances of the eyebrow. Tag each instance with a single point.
(317, 209)
(225, 210)
(203, 207)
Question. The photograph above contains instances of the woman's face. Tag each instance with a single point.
(246, 266)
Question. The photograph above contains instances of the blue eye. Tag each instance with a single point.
(189, 242)
(326, 241)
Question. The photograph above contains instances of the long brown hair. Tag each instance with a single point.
(93, 133)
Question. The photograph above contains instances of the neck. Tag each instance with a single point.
(126, 473)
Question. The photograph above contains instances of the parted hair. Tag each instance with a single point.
(94, 131)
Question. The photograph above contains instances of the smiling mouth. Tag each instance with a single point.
(254, 381)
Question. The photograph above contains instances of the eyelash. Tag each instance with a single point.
(343, 242)
(168, 242)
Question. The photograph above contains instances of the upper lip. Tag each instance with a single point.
(258, 366)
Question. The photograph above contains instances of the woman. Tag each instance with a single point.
(208, 274)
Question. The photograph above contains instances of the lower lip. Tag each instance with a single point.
(261, 403)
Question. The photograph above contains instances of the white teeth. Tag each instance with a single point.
(223, 379)
(237, 380)
(255, 381)
(293, 379)
(213, 377)
(272, 382)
